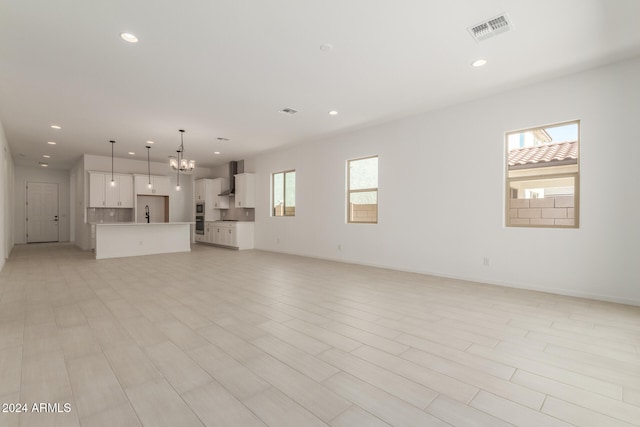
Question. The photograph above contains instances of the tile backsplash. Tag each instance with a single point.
(109, 215)
(237, 214)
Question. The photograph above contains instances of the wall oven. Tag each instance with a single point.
(200, 218)
(199, 224)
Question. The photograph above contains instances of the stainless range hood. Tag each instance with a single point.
(233, 170)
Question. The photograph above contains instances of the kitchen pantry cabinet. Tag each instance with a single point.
(97, 190)
(103, 195)
(245, 190)
(159, 185)
(200, 190)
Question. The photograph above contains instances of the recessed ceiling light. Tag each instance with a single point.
(55, 127)
(128, 37)
(222, 139)
(43, 164)
(478, 63)
(333, 113)
(150, 142)
(131, 153)
(216, 152)
(51, 143)
(46, 156)
(326, 47)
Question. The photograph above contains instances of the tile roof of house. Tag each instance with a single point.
(544, 155)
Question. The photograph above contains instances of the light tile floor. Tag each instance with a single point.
(227, 338)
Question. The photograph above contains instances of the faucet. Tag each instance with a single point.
(146, 214)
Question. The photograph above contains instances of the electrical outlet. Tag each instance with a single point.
(486, 261)
(339, 247)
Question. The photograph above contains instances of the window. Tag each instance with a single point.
(543, 176)
(362, 190)
(284, 193)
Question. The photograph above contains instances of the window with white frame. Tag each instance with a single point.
(284, 193)
(362, 190)
(543, 176)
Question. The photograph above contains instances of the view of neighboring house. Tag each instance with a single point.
(543, 176)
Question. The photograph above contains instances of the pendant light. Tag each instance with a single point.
(149, 164)
(179, 162)
(113, 181)
(178, 169)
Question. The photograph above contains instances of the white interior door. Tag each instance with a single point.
(42, 212)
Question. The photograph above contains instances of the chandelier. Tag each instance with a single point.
(179, 163)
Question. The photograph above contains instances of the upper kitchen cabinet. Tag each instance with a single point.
(103, 195)
(97, 190)
(219, 185)
(121, 194)
(159, 185)
(201, 189)
(245, 190)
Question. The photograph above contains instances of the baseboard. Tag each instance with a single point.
(513, 285)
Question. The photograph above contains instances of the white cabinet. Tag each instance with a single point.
(226, 234)
(201, 189)
(218, 186)
(220, 234)
(96, 190)
(159, 185)
(104, 195)
(121, 194)
(209, 228)
(245, 190)
(232, 234)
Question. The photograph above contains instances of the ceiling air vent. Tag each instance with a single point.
(490, 28)
(288, 111)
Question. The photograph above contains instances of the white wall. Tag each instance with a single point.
(80, 232)
(6, 199)
(441, 192)
(25, 174)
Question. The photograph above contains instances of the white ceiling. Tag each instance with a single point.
(225, 68)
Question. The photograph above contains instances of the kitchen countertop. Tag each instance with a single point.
(142, 223)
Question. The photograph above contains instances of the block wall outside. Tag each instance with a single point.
(363, 212)
(551, 211)
(280, 210)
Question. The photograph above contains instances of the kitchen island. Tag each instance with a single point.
(135, 239)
